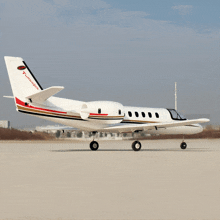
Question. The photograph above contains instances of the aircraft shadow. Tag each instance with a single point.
(88, 150)
(142, 150)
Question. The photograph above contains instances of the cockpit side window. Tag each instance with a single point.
(175, 115)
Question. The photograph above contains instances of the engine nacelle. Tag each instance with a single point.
(84, 112)
(102, 112)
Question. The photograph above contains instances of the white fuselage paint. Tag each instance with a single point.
(95, 121)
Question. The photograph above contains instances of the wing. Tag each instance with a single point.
(7, 96)
(150, 126)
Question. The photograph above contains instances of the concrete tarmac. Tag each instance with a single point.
(66, 180)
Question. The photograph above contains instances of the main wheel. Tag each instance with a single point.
(183, 145)
(136, 145)
(94, 145)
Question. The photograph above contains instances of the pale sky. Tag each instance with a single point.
(129, 51)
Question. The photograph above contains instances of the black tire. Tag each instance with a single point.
(94, 145)
(183, 145)
(136, 145)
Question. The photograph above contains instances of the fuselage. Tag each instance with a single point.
(97, 115)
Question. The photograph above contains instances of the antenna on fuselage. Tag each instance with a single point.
(176, 96)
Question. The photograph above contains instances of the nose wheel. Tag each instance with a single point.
(94, 145)
(183, 145)
(136, 145)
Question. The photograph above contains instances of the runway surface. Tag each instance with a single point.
(65, 180)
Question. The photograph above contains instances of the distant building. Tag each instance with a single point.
(49, 128)
(4, 124)
(65, 132)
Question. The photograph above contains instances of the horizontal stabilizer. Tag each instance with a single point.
(9, 97)
(43, 95)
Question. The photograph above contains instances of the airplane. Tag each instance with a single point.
(95, 116)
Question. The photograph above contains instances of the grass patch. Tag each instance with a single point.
(14, 134)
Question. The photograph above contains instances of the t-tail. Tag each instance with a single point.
(25, 87)
(23, 82)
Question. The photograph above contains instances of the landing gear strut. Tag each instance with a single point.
(94, 145)
(183, 145)
(136, 145)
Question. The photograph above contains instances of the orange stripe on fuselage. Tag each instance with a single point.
(45, 112)
(138, 121)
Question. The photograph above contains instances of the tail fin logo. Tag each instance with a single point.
(30, 80)
(21, 67)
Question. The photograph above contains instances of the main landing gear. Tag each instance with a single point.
(94, 145)
(136, 146)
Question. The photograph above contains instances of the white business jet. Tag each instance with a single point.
(96, 116)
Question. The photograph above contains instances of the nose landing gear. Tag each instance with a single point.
(183, 145)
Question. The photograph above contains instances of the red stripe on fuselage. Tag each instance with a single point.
(19, 102)
(98, 114)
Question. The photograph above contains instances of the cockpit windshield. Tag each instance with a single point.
(175, 115)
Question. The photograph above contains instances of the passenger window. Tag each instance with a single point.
(143, 114)
(157, 115)
(130, 114)
(99, 111)
(136, 113)
(150, 115)
(119, 111)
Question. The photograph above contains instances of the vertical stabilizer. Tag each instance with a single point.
(23, 82)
